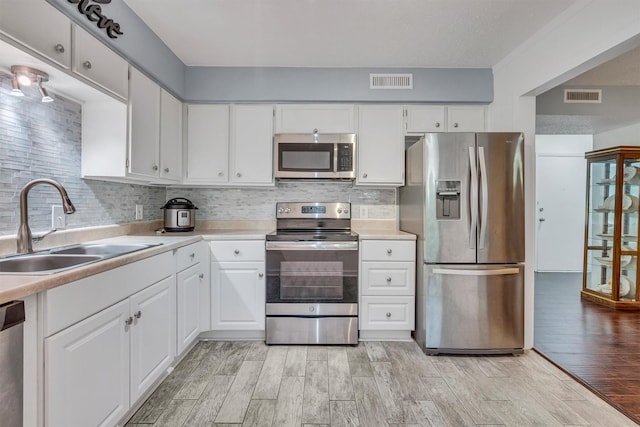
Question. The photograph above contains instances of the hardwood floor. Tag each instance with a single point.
(373, 384)
(599, 346)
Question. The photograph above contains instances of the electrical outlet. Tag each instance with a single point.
(58, 218)
(139, 212)
(364, 212)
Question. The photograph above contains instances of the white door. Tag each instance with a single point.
(560, 205)
(188, 294)
(207, 143)
(153, 334)
(87, 371)
(252, 144)
(237, 296)
(170, 137)
(144, 125)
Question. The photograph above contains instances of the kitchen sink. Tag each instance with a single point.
(44, 263)
(65, 258)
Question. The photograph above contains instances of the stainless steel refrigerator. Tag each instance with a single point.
(464, 199)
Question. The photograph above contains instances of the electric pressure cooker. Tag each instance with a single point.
(179, 215)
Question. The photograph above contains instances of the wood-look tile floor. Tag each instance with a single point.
(372, 384)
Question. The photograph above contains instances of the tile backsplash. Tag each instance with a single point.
(42, 140)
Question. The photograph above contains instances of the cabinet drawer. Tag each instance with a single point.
(188, 256)
(237, 250)
(388, 250)
(388, 278)
(377, 312)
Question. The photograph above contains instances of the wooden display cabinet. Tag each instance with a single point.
(610, 274)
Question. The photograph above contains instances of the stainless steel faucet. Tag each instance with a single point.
(25, 244)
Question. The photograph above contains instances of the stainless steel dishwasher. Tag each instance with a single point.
(11, 341)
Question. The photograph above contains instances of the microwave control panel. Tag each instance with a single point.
(345, 157)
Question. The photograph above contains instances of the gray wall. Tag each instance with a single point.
(39, 140)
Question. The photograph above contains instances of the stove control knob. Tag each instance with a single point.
(287, 210)
(280, 210)
(339, 210)
(312, 308)
(345, 210)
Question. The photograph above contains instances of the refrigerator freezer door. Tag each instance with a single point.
(501, 198)
(449, 160)
(474, 309)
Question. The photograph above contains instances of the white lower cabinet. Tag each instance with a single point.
(98, 363)
(237, 288)
(192, 291)
(387, 289)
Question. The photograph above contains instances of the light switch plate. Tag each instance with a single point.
(139, 212)
(58, 218)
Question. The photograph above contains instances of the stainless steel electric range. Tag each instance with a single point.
(312, 275)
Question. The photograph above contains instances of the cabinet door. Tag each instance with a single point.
(466, 119)
(252, 144)
(207, 143)
(425, 118)
(326, 118)
(144, 125)
(170, 137)
(87, 371)
(237, 295)
(99, 64)
(380, 145)
(39, 26)
(188, 295)
(153, 334)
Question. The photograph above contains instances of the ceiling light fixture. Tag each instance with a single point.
(24, 76)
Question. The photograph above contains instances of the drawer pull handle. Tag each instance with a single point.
(128, 321)
(201, 275)
(389, 279)
(388, 314)
(59, 48)
(237, 251)
(261, 275)
(87, 65)
(437, 124)
(166, 170)
(137, 314)
(389, 251)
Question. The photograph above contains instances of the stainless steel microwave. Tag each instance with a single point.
(322, 156)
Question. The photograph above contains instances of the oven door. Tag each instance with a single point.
(311, 272)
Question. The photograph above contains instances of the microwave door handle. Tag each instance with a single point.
(335, 158)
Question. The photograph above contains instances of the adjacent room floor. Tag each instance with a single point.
(372, 384)
(598, 346)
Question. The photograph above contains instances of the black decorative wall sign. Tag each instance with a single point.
(94, 13)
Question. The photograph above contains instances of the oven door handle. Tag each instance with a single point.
(312, 246)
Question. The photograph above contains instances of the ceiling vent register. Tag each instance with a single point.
(390, 81)
(583, 96)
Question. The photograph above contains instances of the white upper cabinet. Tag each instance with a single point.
(170, 137)
(230, 145)
(251, 144)
(207, 144)
(38, 26)
(380, 145)
(325, 118)
(440, 118)
(99, 64)
(144, 126)
(425, 118)
(466, 119)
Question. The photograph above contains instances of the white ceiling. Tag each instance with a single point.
(346, 33)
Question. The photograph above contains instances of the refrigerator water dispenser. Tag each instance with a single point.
(448, 200)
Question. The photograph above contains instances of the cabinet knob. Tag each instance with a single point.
(59, 48)
(166, 170)
(155, 167)
(87, 65)
(388, 314)
(389, 251)
(542, 219)
(238, 174)
(192, 255)
(455, 125)
(389, 279)
(220, 173)
(364, 175)
(137, 314)
(201, 275)
(128, 321)
(261, 275)
(437, 124)
(237, 251)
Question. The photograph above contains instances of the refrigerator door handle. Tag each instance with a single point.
(473, 198)
(485, 198)
(459, 272)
